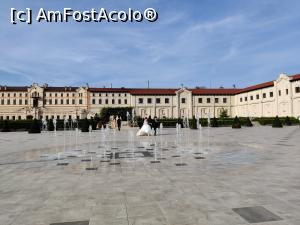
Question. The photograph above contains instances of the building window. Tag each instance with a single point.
(149, 100)
(257, 96)
(8, 102)
(50, 101)
(279, 92)
(19, 117)
(73, 101)
(93, 94)
(264, 95)
(183, 100)
(80, 101)
(297, 89)
(241, 99)
(14, 102)
(67, 101)
(67, 94)
(61, 101)
(119, 101)
(112, 101)
(20, 95)
(246, 99)
(271, 94)
(113, 95)
(55, 94)
(141, 100)
(100, 101)
(216, 100)
(167, 100)
(20, 101)
(93, 101)
(251, 97)
(224, 100)
(287, 91)
(199, 100)
(208, 100)
(106, 101)
(61, 95)
(2, 101)
(119, 95)
(125, 94)
(157, 100)
(26, 101)
(125, 101)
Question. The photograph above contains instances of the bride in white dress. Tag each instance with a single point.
(145, 130)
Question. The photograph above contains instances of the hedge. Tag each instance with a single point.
(269, 120)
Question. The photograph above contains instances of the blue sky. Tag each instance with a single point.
(208, 43)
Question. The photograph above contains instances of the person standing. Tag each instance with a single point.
(155, 125)
(119, 122)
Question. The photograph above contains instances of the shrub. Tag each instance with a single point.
(193, 123)
(50, 125)
(180, 122)
(236, 123)
(139, 121)
(248, 122)
(277, 123)
(5, 127)
(35, 127)
(85, 125)
(214, 122)
(287, 121)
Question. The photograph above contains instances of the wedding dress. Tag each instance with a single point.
(145, 130)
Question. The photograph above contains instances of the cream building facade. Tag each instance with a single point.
(279, 97)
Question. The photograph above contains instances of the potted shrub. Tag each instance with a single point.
(85, 125)
(35, 127)
(50, 125)
(5, 127)
(248, 122)
(277, 123)
(236, 123)
(287, 121)
(214, 122)
(193, 123)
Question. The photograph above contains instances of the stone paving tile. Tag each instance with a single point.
(243, 168)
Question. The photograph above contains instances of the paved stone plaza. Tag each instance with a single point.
(235, 177)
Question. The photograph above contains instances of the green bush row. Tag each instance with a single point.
(269, 120)
(24, 125)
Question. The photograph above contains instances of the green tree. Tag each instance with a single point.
(224, 114)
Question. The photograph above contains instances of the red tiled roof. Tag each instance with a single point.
(220, 91)
(118, 90)
(60, 89)
(295, 77)
(153, 91)
(258, 86)
(12, 88)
